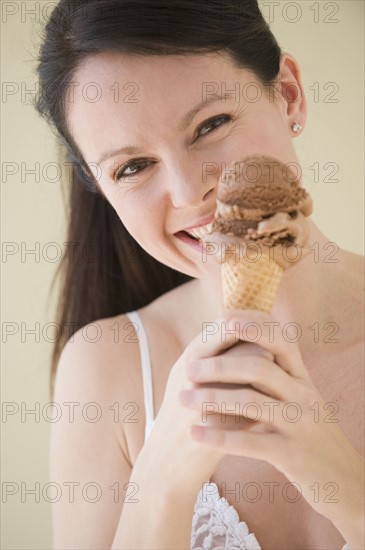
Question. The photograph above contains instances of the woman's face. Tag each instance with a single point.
(157, 132)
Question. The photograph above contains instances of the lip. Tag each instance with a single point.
(199, 223)
(184, 237)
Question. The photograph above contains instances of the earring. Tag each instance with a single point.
(296, 127)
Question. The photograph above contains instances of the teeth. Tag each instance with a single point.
(200, 232)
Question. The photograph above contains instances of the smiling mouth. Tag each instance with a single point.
(199, 232)
(184, 236)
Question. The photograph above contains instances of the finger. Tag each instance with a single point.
(268, 333)
(214, 338)
(230, 422)
(245, 402)
(266, 446)
(262, 374)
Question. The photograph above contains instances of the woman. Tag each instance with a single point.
(141, 96)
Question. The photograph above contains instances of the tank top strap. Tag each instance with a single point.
(146, 371)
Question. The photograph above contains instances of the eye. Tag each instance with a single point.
(213, 123)
(129, 165)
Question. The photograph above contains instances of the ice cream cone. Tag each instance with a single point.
(260, 204)
(250, 284)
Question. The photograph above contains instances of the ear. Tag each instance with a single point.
(291, 90)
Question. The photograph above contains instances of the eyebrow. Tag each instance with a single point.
(184, 124)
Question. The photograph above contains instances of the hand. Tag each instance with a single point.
(184, 463)
(286, 421)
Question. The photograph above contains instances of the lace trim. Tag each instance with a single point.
(217, 526)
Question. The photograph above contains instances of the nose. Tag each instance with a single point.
(189, 185)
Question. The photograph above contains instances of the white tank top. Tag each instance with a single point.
(146, 371)
(215, 524)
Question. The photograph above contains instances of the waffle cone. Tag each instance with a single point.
(250, 285)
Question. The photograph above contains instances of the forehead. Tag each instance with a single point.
(113, 93)
(154, 72)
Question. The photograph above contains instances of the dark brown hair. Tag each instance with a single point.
(120, 276)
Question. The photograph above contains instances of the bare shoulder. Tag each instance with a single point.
(351, 298)
(100, 364)
(97, 391)
(101, 353)
(355, 264)
(357, 267)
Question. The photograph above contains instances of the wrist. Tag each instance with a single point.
(154, 475)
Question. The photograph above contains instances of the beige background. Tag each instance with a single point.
(32, 212)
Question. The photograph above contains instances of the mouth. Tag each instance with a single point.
(194, 236)
(199, 232)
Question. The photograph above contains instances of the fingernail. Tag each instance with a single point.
(186, 396)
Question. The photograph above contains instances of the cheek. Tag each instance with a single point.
(267, 134)
(141, 209)
(140, 215)
(242, 141)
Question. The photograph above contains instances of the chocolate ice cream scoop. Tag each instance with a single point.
(260, 201)
(255, 189)
(260, 229)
